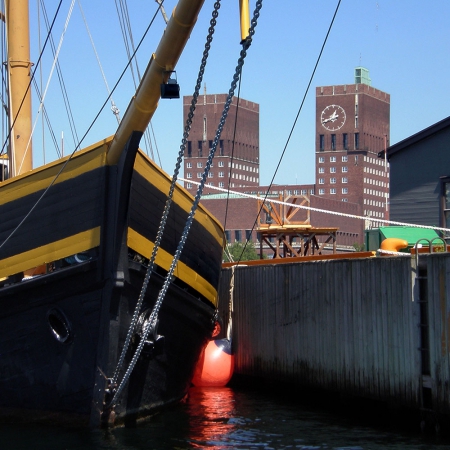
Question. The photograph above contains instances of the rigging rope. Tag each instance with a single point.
(325, 211)
(114, 108)
(49, 79)
(32, 76)
(151, 323)
(83, 137)
(295, 121)
(165, 214)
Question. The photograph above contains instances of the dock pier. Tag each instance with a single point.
(375, 328)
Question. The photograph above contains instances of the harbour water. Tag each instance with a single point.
(230, 418)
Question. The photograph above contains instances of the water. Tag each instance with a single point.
(227, 418)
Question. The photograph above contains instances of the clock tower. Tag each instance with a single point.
(352, 126)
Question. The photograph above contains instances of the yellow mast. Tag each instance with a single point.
(19, 65)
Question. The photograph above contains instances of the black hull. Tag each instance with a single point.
(43, 378)
(62, 332)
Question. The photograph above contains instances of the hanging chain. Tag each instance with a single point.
(151, 323)
(165, 215)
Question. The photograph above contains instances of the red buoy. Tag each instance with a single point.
(215, 366)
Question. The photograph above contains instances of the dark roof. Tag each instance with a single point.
(433, 129)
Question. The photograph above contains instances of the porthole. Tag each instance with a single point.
(59, 326)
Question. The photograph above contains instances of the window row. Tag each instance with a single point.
(344, 144)
(377, 161)
(333, 180)
(380, 173)
(333, 191)
(376, 182)
(375, 192)
(344, 158)
(367, 212)
(344, 169)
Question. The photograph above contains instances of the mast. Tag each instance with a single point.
(18, 38)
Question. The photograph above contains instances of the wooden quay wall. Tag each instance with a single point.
(375, 328)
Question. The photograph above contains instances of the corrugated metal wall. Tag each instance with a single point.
(350, 326)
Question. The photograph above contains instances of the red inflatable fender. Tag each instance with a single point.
(215, 365)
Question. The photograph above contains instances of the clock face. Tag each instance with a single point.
(333, 117)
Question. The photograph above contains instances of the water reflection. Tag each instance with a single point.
(227, 418)
(211, 412)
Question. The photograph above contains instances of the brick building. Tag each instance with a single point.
(352, 127)
(237, 149)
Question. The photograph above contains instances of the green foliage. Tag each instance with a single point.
(358, 247)
(239, 253)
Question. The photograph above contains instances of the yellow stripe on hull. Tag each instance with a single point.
(39, 179)
(164, 259)
(147, 169)
(51, 252)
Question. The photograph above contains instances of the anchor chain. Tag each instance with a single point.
(151, 323)
(137, 310)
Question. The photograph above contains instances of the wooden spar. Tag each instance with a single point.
(17, 19)
(245, 18)
(143, 105)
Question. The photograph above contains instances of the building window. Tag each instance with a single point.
(332, 158)
(344, 179)
(321, 159)
(221, 174)
(321, 169)
(221, 147)
(221, 184)
(304, 191)
(189, 175)
(311, 191)
(220, 163)
(199, 174)
(333, 180)
(345, 190)
(332, 169)
(189, 165)
(345, 141)
(322, 142)
(200, 148)
(321, 191)
(199, 165)
(321, 181)
(248, 235)
(189, 185)
(445, 202)
(333, 191)
(211, 175)
(345, 158)
(356, 141)
(237, 235)
(344, 169)
(228, 235)
(333, 142)
(189, 148)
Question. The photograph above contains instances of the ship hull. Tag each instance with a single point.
(62, 330)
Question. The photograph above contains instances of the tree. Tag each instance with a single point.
(241, 252)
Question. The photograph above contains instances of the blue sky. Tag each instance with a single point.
(404, 44)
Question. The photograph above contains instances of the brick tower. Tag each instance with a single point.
(352, 126)
(238, 149)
